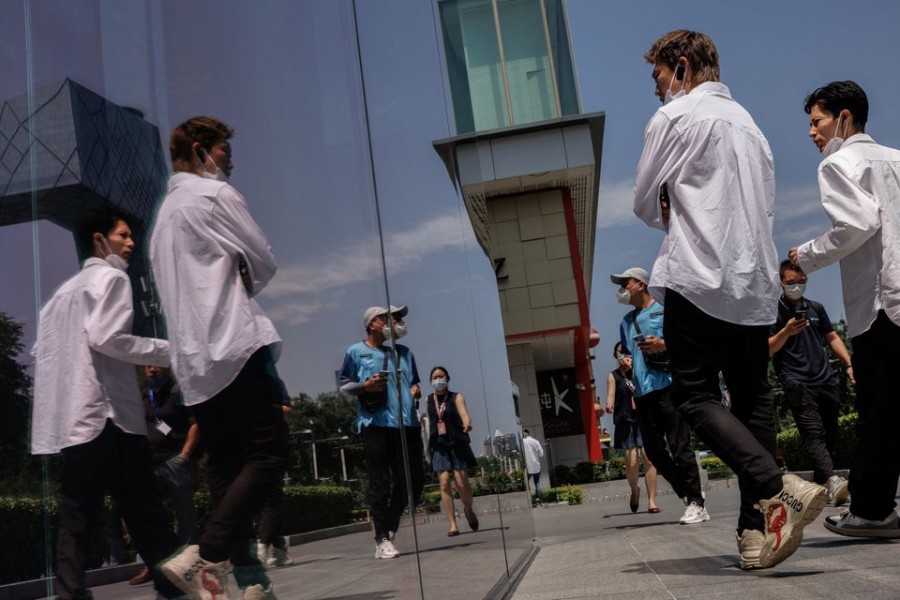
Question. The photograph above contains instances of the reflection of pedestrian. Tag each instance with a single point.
(87, 404)
(173, 435)
(375, 374)
(858, 182)
(533, 455)
(706, 178)
(210, 259)
(450, 447)
(620, 404)
(272, 547)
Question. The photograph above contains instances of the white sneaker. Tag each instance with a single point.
(385, 549)
(847, 523)
(263, 551)
(786, 514)
(750, 544)
(199, 578)
(278, 557)
(838, 490)
(694, 513)
(258, 592)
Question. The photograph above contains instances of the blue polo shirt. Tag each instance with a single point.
(361, 362)
(650, 320)
(803, 360)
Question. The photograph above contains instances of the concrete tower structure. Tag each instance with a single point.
(527, 163)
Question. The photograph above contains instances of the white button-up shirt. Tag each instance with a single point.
(718, 169)
(533, 453)
(860, 188)
(85, 355)
(202, 231)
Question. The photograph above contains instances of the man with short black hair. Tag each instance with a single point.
(665, 432)
(797, 343)
(87, 404)
(706, 178)
(859, 182)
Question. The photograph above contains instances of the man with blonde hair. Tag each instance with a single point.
(706, 178)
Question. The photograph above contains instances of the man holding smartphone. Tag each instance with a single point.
(666, 435)
(385, 381)
(797, 343)
(716, 272)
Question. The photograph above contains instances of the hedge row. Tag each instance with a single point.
(24, 537)
(795, 457)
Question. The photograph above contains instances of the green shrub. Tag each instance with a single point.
(795, 457)
(715, 468)
(609, 470)
(572, 495)
(498, 482)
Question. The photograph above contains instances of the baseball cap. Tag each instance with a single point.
(632, 273)
(372, 312)
(399, 311)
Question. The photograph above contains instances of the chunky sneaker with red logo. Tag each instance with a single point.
(786, 514)
(201, 579)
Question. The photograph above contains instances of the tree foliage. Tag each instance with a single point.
(15, 403)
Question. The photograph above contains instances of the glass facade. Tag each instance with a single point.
(508, 62)
(335, 105)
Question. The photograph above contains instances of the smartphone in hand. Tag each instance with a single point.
(640, 338)
(800, 314)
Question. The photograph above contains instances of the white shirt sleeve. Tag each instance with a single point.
(657, 162)
(238, 229)
(108, 325)
(853, 213)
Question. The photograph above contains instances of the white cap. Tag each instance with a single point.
(399, 311)
(632, 273)
(372, 312)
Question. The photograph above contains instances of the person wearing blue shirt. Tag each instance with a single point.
(385, 381)
(641, 331)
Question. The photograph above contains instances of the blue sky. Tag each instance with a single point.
(285, 75)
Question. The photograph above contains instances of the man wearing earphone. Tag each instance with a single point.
(706, 178)
(210, 259)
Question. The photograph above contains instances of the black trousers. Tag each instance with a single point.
(700, 346)
(816, 409)
(876, 462)
(117, 463)
(175, 485)
(243, 431)
(667, 441)
(270, 527)
(388, 494)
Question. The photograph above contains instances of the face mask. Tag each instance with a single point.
(835, 143)
(439, 384)
(794, 291)
(386, 332)
(669, 95)
(113, 259)
(400, 330)
(623, 296)
(218, 175)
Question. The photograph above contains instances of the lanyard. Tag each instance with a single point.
(153, 405)
(440, 409)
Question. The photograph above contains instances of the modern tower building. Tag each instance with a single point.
(527, 163)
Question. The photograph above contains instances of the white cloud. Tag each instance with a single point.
(797, 202)
(300, 290)
(615, 204)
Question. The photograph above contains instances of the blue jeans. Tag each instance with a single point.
(536, 479)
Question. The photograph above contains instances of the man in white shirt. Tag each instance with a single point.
(87, 404)
(706, 178)
(859, 182)
(533, 455)
(210, 259)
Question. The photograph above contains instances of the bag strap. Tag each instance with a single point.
(636, 326)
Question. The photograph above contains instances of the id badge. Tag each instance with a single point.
(163, 427)
(441, 428)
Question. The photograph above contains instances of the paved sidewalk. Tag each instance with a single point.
(605, 551)
(597, 550)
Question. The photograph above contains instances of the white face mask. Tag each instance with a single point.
(835, 143)
(113, 259)
(217, 175)
(439, 384)
(794, 291)
(623, 296)
(386, 332)
(669, 95)
(400, 330)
